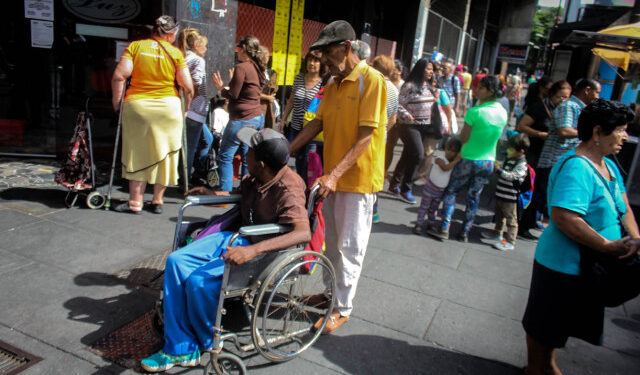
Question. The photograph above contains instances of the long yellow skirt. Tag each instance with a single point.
(151, 140)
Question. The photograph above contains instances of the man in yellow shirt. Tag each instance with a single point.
(352, 115)
(467, 78)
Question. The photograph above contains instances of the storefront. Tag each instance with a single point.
(56, 55)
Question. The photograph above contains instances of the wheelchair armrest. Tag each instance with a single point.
(213, 199)
(264, 229)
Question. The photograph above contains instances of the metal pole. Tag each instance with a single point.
(185, 167)
(476, 65)
(107, 204)
(464, 29)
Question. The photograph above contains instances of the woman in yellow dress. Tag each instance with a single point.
(152, 117)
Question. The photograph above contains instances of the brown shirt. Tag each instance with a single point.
(281, 200)
(244, 91)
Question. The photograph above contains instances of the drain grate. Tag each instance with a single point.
(130, 343)
(14, 360)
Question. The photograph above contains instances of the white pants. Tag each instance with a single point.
(347, 227)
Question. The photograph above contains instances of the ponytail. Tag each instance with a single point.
(251, 46)
(189, 38)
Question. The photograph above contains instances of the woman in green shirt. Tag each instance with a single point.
(483, 126)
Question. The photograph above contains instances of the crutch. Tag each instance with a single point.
(107, 204)
(184, 150)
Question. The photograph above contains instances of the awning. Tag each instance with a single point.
(618, 45)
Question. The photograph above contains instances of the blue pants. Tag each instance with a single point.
(194, 131)
(472, 175)
(204, 145)
(192, 282)
(230, 144)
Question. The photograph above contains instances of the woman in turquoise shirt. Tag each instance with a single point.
(584, 210)
(483, 125)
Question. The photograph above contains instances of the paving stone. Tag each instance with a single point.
(394, 307)
(11, 219)
(478, 333)
(61, 246)
(10, 262)
(360, 347)
(579, 357)
(442, 282)
(497, 267)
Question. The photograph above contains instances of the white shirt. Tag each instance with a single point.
(437, 176)
(220, 120)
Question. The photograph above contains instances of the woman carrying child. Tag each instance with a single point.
(436, 183)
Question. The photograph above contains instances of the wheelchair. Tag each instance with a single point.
(274, 291)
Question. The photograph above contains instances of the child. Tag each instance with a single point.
(437, 182)
(510, 177)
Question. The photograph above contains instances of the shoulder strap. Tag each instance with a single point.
(604, 181)
(175, 67)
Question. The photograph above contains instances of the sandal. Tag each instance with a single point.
(156, 208)
(127, 207)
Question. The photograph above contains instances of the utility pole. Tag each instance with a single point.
(461, 39)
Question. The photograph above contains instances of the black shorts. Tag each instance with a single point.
(559, 306)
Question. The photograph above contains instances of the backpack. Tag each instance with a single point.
(525, 190)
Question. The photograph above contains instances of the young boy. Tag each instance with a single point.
(437, 183)
(510, 176)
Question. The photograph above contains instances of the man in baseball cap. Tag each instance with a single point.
(352, 116)
(272, 193)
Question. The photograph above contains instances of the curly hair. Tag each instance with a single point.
(604, 113)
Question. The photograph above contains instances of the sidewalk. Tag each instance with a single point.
(423, 306)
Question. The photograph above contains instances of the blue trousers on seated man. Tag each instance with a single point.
(272, 193)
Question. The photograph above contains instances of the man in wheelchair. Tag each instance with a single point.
(272, 193)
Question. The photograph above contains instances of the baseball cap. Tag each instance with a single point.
(335, 32)
(270, 146)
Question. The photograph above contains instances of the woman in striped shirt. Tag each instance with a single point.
(305, 86)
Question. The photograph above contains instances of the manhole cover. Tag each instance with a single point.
(14, 360)
(131, 343)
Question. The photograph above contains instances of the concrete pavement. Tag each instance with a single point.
(423, 306)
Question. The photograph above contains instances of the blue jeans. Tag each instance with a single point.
(194, 131)
(192, 282)
(230, 144)
(471, 175)
(204, 145)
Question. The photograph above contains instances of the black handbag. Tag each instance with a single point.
(434, 129)
(611, 280)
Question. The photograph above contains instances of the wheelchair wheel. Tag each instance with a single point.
(225, 364)
(282, 325)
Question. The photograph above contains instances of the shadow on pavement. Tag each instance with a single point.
(368, 354)
(50, 197)
(108, 314)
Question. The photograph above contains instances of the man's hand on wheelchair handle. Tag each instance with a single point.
(240, 254)
(328, 184)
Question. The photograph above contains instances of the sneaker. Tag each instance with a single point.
(540, 226)
(376, 218)
(407, 197)
(393, 190)
(503, 245)
(527, 236)
(491, 235)
(440, 235)
(162, 361)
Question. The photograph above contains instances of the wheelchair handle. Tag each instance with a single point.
(312, 200)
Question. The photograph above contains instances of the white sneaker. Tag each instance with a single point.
(503, 246)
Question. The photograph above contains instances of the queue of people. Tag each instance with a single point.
(562, 138)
